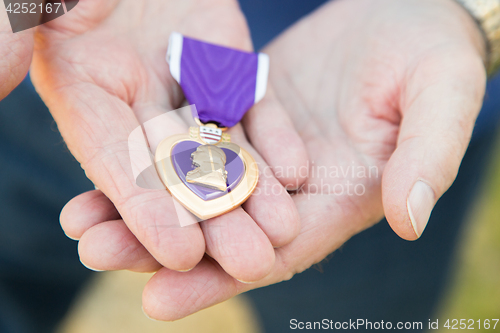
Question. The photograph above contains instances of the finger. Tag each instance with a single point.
(111, 246)
(86, 210)
(270, 205)
(96, 127)
(171, 295)
(243, 243)
(242, 248)
(239, 245)
(16, 51)
(272, 133)
(439, 106)
(273, 210)
(327, 225)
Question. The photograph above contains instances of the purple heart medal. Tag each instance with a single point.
(203, 170)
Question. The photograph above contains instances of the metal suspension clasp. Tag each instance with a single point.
(209, 133)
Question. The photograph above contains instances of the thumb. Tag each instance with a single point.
(439, 105)
(16, 51)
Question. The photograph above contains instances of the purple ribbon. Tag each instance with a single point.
(223, 83)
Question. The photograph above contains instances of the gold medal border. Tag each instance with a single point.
(199, 207)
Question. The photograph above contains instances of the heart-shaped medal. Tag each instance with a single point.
(208, 179)
(203, 170)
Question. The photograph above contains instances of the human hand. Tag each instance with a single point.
(101, 70)
(394, 85)
(15, 55)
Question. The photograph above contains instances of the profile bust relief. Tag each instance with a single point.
(210, 172)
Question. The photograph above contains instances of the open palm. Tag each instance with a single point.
(385, 102)
(102, 72)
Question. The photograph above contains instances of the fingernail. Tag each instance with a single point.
(244, 282)
(146, 315)
(420, 204)
(92, 269)
(75, 239)
(185, 270)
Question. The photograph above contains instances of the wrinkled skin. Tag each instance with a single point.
(102, 72)
(394, 85)
(15, 55)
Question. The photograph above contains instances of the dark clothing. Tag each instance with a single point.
(39, 268)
